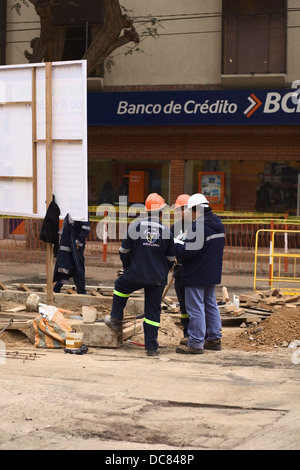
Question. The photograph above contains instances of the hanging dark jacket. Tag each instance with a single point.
(70, 259)
(50, 228)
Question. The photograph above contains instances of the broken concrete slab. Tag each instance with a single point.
(98, 334)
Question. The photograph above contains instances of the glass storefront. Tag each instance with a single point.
(237, 185)
(135, 179)
(249, 186)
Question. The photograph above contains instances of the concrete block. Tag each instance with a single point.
(98, 335)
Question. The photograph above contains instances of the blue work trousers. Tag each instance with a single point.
(204, 316)
(152, 308)
(180, 292)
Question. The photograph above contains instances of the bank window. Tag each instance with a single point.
(254, 36)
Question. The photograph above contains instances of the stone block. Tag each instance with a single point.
(98, 335)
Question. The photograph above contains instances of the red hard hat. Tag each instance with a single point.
(182, 200)
(154, 202)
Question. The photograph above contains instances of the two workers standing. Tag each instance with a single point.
(149, 251)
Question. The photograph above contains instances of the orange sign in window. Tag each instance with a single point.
(138, 186)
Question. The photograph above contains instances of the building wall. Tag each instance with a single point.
(187, 55)
(188, 51)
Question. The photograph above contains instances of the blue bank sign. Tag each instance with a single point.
(212, 107)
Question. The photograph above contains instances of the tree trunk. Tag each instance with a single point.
(41, 44)
(107, 40)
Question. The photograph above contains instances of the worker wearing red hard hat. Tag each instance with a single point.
(178, 230)
(201, 271)
(147, 254)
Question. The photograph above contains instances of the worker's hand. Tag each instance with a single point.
(177, 240)
(120, 272)
(180, 236)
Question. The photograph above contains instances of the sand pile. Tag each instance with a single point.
(278, 330)
(169, 334)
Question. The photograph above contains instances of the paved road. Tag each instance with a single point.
(121, 399)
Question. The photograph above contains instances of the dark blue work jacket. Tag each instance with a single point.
(147, 253)
(202, 265)
(70, 253)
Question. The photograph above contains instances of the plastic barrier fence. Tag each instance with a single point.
(20, 244)
(278, 252)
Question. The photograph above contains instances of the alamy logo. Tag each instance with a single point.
(295, 95)
(119, 228)
(2, 352)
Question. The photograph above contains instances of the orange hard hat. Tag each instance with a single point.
(154, 202)
(182, 200)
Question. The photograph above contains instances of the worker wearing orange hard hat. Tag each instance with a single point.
(182, 201)
(154, 202)
(178, 230)
(147, 254)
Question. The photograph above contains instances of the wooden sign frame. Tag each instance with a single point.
(43, 179)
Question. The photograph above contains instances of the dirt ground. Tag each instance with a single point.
(243, 397)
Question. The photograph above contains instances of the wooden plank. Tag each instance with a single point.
(19, 308)
(18, 315)
(49, 176)
(225, 294)
(34, 148)
(22, 178)
(23, 288)
(132, 328)
(233, 320)
(95, 293)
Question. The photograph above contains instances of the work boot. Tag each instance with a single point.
(113, 323)
(189, 350)
(184, 340)
(153, 352)
(213, 345)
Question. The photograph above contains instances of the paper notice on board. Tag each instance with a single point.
(211, 186)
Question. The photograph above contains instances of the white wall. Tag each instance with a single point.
(177, 58)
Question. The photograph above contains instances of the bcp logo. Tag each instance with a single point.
(255, 104)
(275, 101)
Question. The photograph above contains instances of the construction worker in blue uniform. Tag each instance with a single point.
(147, 255)
(179, 232)
(202, 255)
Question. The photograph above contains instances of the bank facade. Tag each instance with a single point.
(210, 106)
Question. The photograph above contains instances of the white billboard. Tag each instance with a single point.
(23, 139)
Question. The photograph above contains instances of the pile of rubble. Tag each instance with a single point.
(279, 324)
(260, 302)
